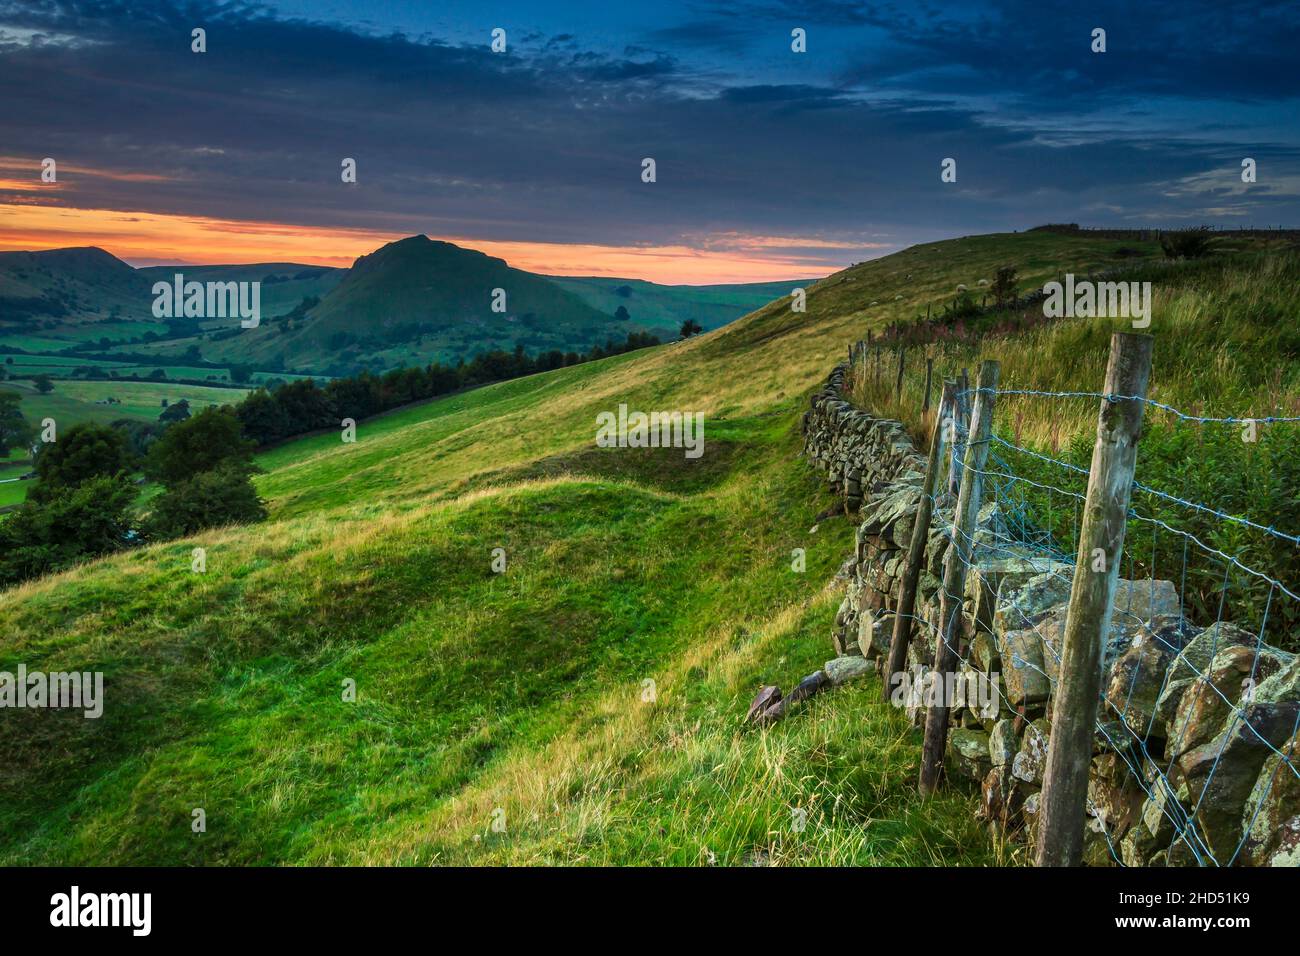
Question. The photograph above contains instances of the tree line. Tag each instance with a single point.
(302, 406)
(85, 502)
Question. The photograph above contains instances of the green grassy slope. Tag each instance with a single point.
(284, 284)
(663, 308)
(516, 694)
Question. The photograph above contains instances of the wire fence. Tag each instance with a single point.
(1177, 762)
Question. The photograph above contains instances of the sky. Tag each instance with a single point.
(770, 164)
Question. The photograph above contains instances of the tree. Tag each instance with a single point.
(43, 384)
(15, 431)
(139, 435)
(82, 453)
(691, 327)
(306, 406)
(263, 419)
(213, 498)
(622, 314)
(1004, 285)
(72, 524)
(176, 412)
(212, 438)
(1186, 243)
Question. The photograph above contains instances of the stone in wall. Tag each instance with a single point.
(1209, 706)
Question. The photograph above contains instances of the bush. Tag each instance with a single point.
(69, 525)
(212, 438)
(176, 412)
(208, 500)
(1186, 244)
(15, 431)
(81, 453)
(1004, 285)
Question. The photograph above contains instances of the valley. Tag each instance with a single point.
(522, 695)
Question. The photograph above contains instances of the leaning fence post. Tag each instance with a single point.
(1101, 543)
(898, 386)
(962, 417)
(929, 372)
(903, 615)
(954, 573)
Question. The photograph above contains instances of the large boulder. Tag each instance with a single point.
(875, 631)
(841, 670)
(1200, 650)
(1143, 600)
(1023, 674)
(1137, 679)
(1138, 606)
(1271, 815)
(1003, 743)
(881, 512)
(999, 573)
(1282, 685)
(1208, 701)
(1031, 759)
(1020, 608)
(1217, 777)
(968, 753)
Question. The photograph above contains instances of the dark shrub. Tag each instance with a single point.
(81, 453)
(1186, 244)
(212, 438)
(208, 500)
(69, 525)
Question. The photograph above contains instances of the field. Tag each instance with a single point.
(19, 365)
(519, 697)
(75, 401)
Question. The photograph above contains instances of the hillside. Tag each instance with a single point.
(61, 288)
(411, 302)
(435, 297)
(521, 696)
(284, 284)
(663, 308)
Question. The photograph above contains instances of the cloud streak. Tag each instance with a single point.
(837, 149)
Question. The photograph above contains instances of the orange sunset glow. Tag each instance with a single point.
(142, 237)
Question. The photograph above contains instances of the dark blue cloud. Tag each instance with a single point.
(544, 143)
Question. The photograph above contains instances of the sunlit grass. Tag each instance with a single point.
(523, 691)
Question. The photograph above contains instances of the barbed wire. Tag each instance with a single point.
(1014, 532)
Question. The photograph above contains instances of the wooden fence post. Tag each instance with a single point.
(1101, 544)
(903, 616)
(929, 372)
(954, 574)
(961, 416)
(898, 386)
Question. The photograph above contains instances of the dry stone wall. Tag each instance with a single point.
(1186, 767)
